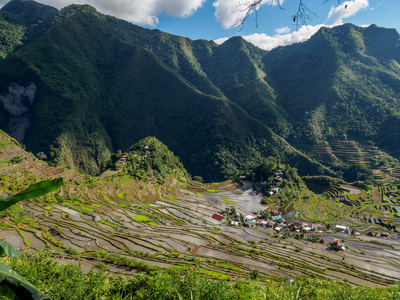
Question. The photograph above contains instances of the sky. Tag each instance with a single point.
(216, 19)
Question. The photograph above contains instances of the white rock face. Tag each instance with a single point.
(17, 102)
(18, 99)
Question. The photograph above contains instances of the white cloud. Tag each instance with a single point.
(221, 40)
(230, 12)
(142, 12)
(267, 42)
(347, 9)
(284, 38)
(282, 30)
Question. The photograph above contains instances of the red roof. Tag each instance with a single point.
(275, 211)
(218, 217)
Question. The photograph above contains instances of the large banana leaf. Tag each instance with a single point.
(33, 191)
(7, 250)
(19, 285)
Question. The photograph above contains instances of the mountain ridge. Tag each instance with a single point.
(219, 107)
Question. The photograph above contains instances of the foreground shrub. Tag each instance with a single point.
(68, 282)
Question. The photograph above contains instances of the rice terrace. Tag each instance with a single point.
(132, 226)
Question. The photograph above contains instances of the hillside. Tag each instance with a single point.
(220, 108)
(84, 62)
(343, 82)
(130, 231)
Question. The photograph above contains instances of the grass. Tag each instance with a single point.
(229, 201)
(214, 274)
(121, 196)
(171, 198)
(48, 207)
(87, 208)
(107, 223)
(140, 218)
(212, 191)
(107, 198)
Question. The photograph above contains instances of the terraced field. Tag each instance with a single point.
(136, 226)
(177, 231)
(346, 151)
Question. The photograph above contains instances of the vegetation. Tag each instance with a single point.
(224, 110)
(68, 282)
(128, 231)
(235, 116)
(154, 160)
(13, 286)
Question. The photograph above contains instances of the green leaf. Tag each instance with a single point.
(7, 250)
(20, 286)
(33, 191)
(7, 292)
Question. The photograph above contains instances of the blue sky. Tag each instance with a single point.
(275, 25)
(214, 19)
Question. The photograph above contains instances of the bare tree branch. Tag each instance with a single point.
(301, 17)
(303, 14)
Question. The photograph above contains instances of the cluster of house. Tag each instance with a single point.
(122, 160)
(278, 179)
(278, 175)
(124, 156)
(381, 235)
(259, 220)
(346, 230)
(275, 221)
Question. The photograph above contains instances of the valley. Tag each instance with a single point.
(179, 231)
(131, 226)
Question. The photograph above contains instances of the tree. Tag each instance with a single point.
(300, 17)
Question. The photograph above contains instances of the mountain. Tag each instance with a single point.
(220, 108)
(21, 21)
(343, 82)
(114, 92)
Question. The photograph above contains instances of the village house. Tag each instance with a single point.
(218, 217)
(276, 218)
(296, 226)
(274, 190)
(274, 212)
(234, 223)
(250, 223)
(384, 234)
(121, 161)
(340, 228)
(337, 245)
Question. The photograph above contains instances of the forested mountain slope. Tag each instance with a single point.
(83, 85)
